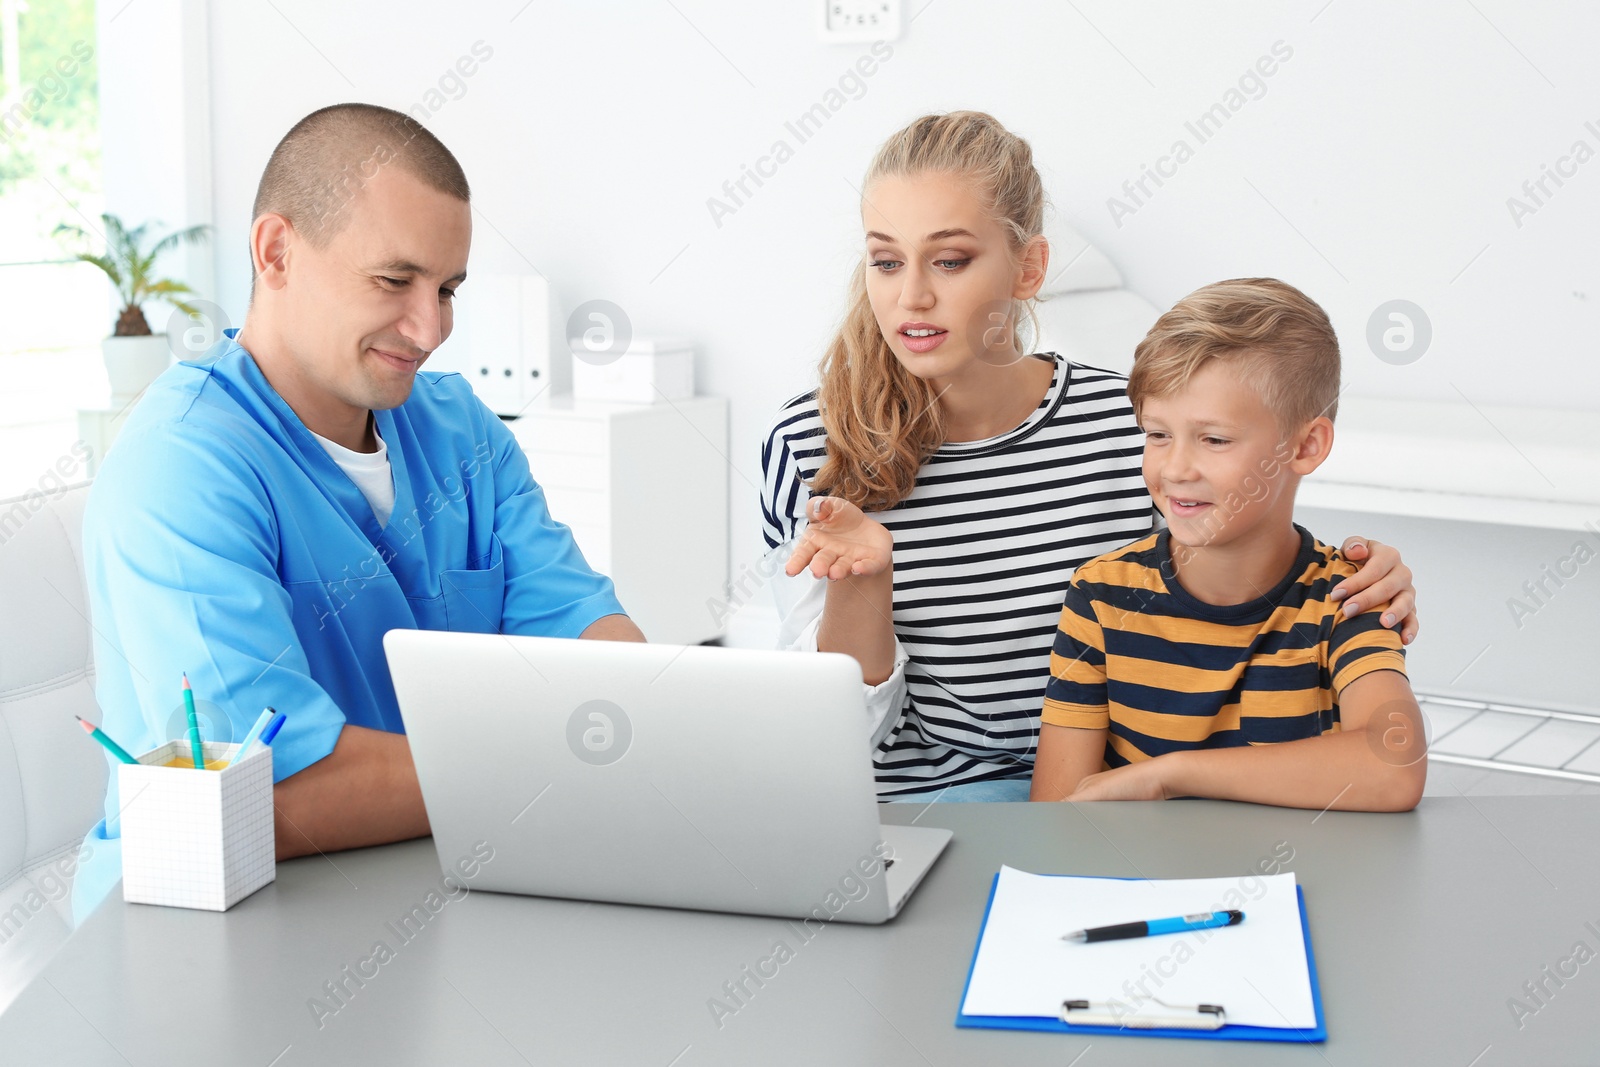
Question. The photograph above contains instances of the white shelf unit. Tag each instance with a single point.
(644, 488)
(1462, 461)
(98, 429)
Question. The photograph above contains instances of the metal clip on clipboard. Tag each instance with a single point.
(1176, 1016)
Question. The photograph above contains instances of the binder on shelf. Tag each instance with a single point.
(1023, 976)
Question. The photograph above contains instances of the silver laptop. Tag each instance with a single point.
(687, 777)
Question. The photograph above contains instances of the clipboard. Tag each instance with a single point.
(1201, 1021)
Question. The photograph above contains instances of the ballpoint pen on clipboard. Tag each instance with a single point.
(1205, 920)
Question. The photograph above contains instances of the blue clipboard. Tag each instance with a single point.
(1229, 1032)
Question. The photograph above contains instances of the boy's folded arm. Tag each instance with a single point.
(1077, 712)
(1066, 756)
(1374, 762)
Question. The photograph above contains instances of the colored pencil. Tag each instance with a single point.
(194, 726)
(100, 736)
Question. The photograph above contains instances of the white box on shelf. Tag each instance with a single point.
(650, 371)
(193, 838)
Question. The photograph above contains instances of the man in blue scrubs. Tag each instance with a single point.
(273, 508)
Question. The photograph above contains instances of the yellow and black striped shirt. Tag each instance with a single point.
(1135, 652)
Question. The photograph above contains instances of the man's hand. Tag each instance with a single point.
(1136, 781)
(840, 541)
(1383, 578)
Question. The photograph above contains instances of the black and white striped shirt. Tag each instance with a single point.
(984, 548)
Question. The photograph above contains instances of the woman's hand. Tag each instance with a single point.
(1382, 577)
(840, 541)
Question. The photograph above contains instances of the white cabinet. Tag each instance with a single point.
(97, 429)
(644, 488)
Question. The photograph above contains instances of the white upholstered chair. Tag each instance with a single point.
(52, 775)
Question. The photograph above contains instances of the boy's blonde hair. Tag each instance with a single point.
(1277, 338)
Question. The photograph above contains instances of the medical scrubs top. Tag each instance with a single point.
(220, 539)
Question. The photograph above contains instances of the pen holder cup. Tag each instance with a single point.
(196, 838)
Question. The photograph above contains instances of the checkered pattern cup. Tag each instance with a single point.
(192, 838)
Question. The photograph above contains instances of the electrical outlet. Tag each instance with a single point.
(858, 21)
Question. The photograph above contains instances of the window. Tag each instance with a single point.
(53, 309)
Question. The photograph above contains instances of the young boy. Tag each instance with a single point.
(1208, 659)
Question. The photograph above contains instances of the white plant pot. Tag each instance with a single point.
(132, 363)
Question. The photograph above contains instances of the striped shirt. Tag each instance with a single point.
(1136, 652)
(983, 550)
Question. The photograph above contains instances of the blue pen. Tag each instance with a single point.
(266, 737)
(272, 731)
(1205, 920)
(262, 722)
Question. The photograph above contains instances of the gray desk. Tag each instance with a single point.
(1424, 925)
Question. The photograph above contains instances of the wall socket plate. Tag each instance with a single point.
(858, 21)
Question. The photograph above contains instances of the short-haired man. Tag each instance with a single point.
(275, 507)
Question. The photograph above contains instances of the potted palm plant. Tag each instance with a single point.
(134, 356)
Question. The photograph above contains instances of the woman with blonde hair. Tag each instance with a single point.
(941, 484)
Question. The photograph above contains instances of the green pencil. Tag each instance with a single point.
(194, 725)
(110, 745)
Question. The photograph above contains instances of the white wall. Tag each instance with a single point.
(155, 127)
(1376, 164)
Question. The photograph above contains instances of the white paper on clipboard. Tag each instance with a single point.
(1256, 970)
